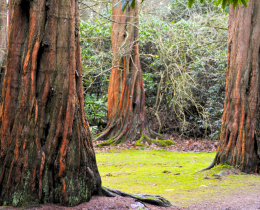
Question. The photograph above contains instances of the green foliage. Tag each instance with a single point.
(96, 45)
(180, 11)
(96, 110)
(96, 55)
(164, 143)
(191, 2)
(183, 59)
(139, 143)
(125, 4)
(224, 3)
(184, 76)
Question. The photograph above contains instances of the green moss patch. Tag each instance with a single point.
(172, 175)
(160, 143)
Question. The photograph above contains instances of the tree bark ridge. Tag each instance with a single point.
(46, 148)
(239, 142)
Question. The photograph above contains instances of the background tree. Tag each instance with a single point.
(3, 39)
(46, 149)
(126, 96)
(3, 31)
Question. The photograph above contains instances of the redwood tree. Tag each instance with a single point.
(126, 96)
(239, 141)
(46, 153)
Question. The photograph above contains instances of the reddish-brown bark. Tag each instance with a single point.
(239, 141)
(126, 96)
(46, 153)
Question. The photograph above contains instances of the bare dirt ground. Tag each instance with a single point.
(246, 200)
(180, 145)
(245, 197)
(97, 203)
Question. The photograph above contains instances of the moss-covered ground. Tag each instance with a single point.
(172, 175)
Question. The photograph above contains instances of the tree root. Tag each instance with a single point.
(148, 136)
(211, 165)
(109, 142)
(151, 199)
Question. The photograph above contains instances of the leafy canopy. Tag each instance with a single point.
(131, 3)
(223, 2)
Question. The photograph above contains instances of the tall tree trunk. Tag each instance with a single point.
(46, 153)
(126, 96)
(3, 40)
(239, 141)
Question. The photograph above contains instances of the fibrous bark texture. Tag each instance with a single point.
(46, 153)
(239, 141)
(126, 96)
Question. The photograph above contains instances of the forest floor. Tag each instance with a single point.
(224, 197)
(247, 199)
(180, 145)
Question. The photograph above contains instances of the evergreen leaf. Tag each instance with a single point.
(133, 4)
(224, 3)
(235, 3)
(244, 3)
(130, 3)
(124, 4)
(191, 3)
(117, 3)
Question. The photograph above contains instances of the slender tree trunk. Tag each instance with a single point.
(126, 96)
(46, 153)
(3, 40)
(239, 141)
(3, 30)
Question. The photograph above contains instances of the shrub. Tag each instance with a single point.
(183, 59)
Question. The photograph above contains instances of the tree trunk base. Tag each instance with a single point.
(149, 137)
(159, 142)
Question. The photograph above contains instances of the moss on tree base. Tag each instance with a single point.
(141, 142)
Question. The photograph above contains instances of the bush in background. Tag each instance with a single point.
(183, 58)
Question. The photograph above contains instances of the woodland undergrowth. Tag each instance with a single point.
(183, 60)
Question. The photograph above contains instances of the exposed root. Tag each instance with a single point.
(112, 136)
(151, 199)
(109, 142)
(211, 165)
(141, 142)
